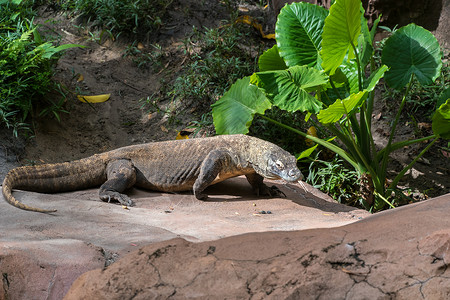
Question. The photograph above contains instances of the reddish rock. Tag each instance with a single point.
(397, 254)
(44, 269)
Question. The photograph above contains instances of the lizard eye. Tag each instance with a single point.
(279, 165)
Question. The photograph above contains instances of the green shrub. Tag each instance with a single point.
(26, 66)
(215, 62)
(129, 16)
(334, 178)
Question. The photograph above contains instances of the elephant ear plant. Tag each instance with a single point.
(323, 64)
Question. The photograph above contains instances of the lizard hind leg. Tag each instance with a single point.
(121, 175)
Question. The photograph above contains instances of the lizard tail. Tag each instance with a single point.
(7, 194)
(52, 178)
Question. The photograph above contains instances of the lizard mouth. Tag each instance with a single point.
(289, 176)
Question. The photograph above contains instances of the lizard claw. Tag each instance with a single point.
(115, 196)
(201, 196)
(275, 191)
(272, 191)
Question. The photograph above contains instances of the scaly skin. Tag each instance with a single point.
(170, 166)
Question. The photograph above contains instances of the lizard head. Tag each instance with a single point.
(280, 164)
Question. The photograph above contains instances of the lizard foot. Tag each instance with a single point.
(272, 191)
(107, 196)
(200, 196)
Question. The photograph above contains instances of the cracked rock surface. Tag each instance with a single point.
(397, 254)
(41, 255)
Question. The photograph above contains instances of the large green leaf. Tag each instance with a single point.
(341, 30)
(289, 89)
(234, 112)
(445, 95)
(411, 50)
(350, 69)
(441, 120)
(271, 60)
(299, 33)
(374, 78)
(338, 109)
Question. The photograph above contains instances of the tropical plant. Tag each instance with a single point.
(26, 65)
(323, 64)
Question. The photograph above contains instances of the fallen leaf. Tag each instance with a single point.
(311, 131)
(253, 22)
(163, 128)
(140, 46)
(377, 117)
(423, 125)
(94, 99)
(80, 78)
(181, 136)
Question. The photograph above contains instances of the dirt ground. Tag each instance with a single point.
(121, 121)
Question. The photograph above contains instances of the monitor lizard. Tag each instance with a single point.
(168, 166)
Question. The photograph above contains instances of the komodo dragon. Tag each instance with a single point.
(170, 166)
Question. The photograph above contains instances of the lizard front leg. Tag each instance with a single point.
(259, 188)
(121, 175)
(209, 169)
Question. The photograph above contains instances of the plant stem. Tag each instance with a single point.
(383, 198)
(358, 64)
(319, 141)
(402, 144)
(387, 150)
(400, 175)
(335, 89)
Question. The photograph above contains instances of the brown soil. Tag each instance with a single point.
(120, 121)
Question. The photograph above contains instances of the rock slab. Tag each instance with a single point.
(397, 254)
(42, 254)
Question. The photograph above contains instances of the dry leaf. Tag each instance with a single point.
(181, 136)
(80, 78)
(253, 22)
(163, 128)
(311, 131)
(140, 46)
(423, 125)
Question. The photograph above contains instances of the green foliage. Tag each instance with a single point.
(441, 120)
(288, 89)
(26, 66)
(242, 102)
(215, 62)
(411, 50)
(145, 59)
(271, 60)
(343, 100)
(299, 34)
(340, 33)
(129, 16)
(335, 179)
